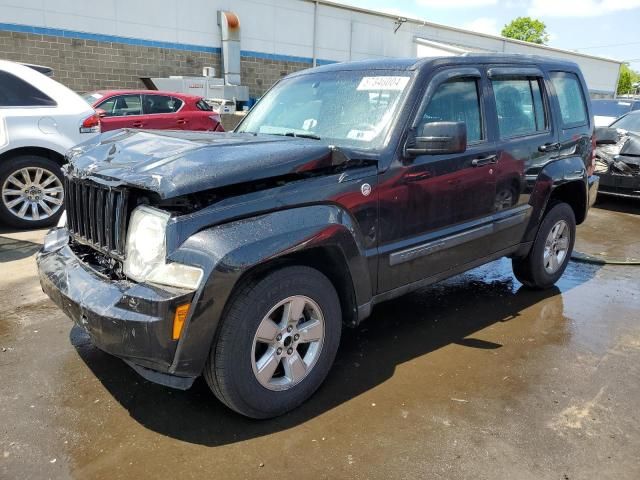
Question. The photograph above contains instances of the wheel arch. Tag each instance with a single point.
(563, 180)
(36, 151)
(572, 193)
(319, 236)
(328, 260)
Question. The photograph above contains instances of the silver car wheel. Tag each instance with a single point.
(504, 199)
(32, 193)
(556, 247)
(288, 343)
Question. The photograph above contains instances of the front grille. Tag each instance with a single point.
(97, 215)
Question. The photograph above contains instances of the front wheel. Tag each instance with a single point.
(551, 250)
(276, 344)
(31, 192)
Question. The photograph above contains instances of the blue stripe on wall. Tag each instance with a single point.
(97, 37)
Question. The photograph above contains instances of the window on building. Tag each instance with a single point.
(15, 92)
(520, 106)
(570, 97)
(457, 101)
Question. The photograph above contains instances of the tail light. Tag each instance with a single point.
(91, 124)
(592, 166)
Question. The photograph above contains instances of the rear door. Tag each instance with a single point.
(122, 111)
(573, 114)
(162, 113)
(526, 142)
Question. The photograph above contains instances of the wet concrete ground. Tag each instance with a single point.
(476, 378)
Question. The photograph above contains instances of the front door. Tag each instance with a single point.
(435, 210)
(122, 111)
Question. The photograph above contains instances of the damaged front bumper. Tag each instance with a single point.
(618, 162)
(619, 185)
(132, 321)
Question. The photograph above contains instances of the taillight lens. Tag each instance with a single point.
(591, 168)
(91, 124)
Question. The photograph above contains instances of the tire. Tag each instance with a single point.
(532, 270)
(237, 355)
(506, 197)
(12, 170)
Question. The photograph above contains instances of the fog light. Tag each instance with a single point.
(178, 320)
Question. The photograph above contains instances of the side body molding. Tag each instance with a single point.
(227, 251)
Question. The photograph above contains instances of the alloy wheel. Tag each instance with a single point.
(288, 343)
(32, 193)
(556, 247)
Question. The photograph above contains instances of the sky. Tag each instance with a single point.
(608, 28)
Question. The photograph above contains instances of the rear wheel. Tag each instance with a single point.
(277, 342)
(551, 250)
(31, 192)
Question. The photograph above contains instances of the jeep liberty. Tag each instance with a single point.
(239, 256)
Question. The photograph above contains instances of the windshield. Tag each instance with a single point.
(629, 122)
(610, 108)
(344, 108)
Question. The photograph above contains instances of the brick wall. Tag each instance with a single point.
(259, 74)
(85, 65)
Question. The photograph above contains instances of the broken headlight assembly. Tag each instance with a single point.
(146, 252)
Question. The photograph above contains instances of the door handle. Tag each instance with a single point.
(181, 121)
(416, 177)
(549, 147)
(137, 124)
(478, 162)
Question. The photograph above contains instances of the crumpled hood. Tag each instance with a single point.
(173, 163)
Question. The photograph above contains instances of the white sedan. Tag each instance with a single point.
(40, 119)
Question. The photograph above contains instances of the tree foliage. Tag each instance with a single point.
(627, 80)
(526, 29)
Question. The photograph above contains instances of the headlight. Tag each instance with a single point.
(146, 242)
(146, 252)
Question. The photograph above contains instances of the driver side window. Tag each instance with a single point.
(122, 105)
(457, 100)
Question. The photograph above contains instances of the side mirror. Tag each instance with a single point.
(606, 136)
(101, 113)
(438, 138)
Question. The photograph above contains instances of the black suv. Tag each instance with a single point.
(239, 256)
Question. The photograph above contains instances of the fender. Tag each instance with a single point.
(554, 174)
(226, 252)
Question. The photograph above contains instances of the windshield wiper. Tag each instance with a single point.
(302, 135)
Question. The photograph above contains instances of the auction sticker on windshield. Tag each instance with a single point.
(383, 83)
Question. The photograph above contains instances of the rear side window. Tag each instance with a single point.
(457, 101)
(571, 98)
(15, 92)
(154, 104)
(520, 107)
(204, 106)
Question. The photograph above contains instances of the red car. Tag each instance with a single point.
(153, 109)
